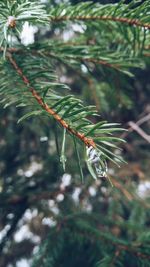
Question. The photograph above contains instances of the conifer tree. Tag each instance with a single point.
(104, 44)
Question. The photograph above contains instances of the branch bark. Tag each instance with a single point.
(87, 141)
(132, 22)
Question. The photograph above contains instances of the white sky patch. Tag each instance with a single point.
(92, 191)
(78, 28)
(60, 198)
(66, 181)
(29, 214)
(55, 210)
(4, 231)
(33, 168)
(84, 68)
(43, 138)
(35, 250)
(27, 34)
(12, 39)
(51, 203)
(22, 263)
(24, 233)
(67, 35)
(48, 221)
(143, 189)
(60, 2)
(10, 216)
(53, 206)
(28, 173)
(103, 189)
(76, 194)
(57, 31)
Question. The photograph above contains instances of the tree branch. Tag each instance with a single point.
(136, 128)
(131, 22)
(63, 123)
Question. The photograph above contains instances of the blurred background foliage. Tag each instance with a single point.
(78, 224)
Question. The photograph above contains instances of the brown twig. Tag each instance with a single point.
(138, 123)
(101, 62)
(136, 128)
(116, 255)
(63, 123)
(123, 190)
(133, 251)
(82, 59)
(131, 248)
(90, 60)
(132, 22)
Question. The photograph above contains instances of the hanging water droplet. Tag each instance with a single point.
(94, 157)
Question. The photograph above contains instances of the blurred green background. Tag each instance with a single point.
(38, 200)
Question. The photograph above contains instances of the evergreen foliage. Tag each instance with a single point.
(108, 45)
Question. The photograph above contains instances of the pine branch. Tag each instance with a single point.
(131, 22)
(34, 72)
(121, 13)
(117, 60)
(77, 227)
(83, 227)
(64, 124)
